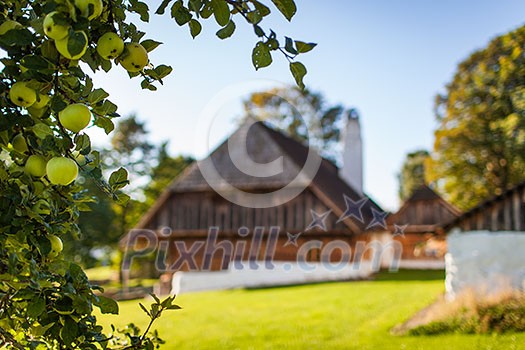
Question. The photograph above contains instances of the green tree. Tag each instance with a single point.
(164, 172)
(299, 112)
(412, 175)
(479, 147)
(46, 100)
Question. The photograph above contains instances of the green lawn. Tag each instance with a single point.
(353, 315)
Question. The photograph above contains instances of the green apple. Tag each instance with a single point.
(61, 170)
(35, 165)
(41, 101)
(41, 207)
(78, 41)
(19, 143)
(22, 95)
(134, 57)
(8, 25)
(75, 117)
(56, 246)
(53, 30)
(90, 8)
(110, 46)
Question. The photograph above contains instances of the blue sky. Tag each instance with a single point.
(388, 59)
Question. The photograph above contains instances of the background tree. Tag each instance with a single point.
(412, 175)
(46, 100)
(296, 111)
(479, 147)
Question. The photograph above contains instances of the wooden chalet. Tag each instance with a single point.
(418, 224)
(190, 206)
(505, 212)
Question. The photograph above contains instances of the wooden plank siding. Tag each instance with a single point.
(198, 211)
(501, 213)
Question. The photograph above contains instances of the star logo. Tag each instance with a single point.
(292, 239)
(318, 220)
(353, 209)
(378, 219)
(399, 230)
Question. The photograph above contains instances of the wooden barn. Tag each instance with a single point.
(328, 208)
(418, 225)
(505, 212)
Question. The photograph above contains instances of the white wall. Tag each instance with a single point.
(485, 262)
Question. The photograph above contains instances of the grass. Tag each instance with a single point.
(351, 315)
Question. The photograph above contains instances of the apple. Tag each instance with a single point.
(53, 30)
(77, 38)
(75, 117)
(56, 246)
(35, 165)
(90, 8)
(61, 170)
(110, 46)
(41, 207)
(19, 143)
(41, 101)
(134, 57)
(22, 95)
(8, 25)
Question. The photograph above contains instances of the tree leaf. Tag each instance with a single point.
(107, 305)
(105, 123)
(221, 12)
(227, 31)
(303, 47)
(298, 71)
(36, 307)
(150, 45)
(97, 95)
(141, 8)
(118, 179)
(286, 7)
(162, 8)
(180, 13)
(195, 28)
(261, 56)
(69, 331)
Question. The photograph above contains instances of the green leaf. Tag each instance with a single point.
(146, 85)
(121, 198)
(163, 71)
(144, 309)
(227, 31)
(82, 142)
(35, 62)
(286, 7)
(97, 95)
(105, 123)
(118, 179)
(42, 130)
(261, 56)
(221, 12)
(303, 47)
(180, 13)
(174, 307)
(289, 46)
(76, 43)
(150, 45)
(298, 71)
(140, 8)
(69, 331)
(36, 307)
(162, 8)
(106, 305)
(195, 28)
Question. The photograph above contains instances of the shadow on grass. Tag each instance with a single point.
(410, 275)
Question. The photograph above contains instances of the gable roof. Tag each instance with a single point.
(263, 145)
(424, 211)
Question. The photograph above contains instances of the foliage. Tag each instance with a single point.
(299, 112)
(46, 301)
(412, 175)
(164, 172)
(505, 313)
(479, 149)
